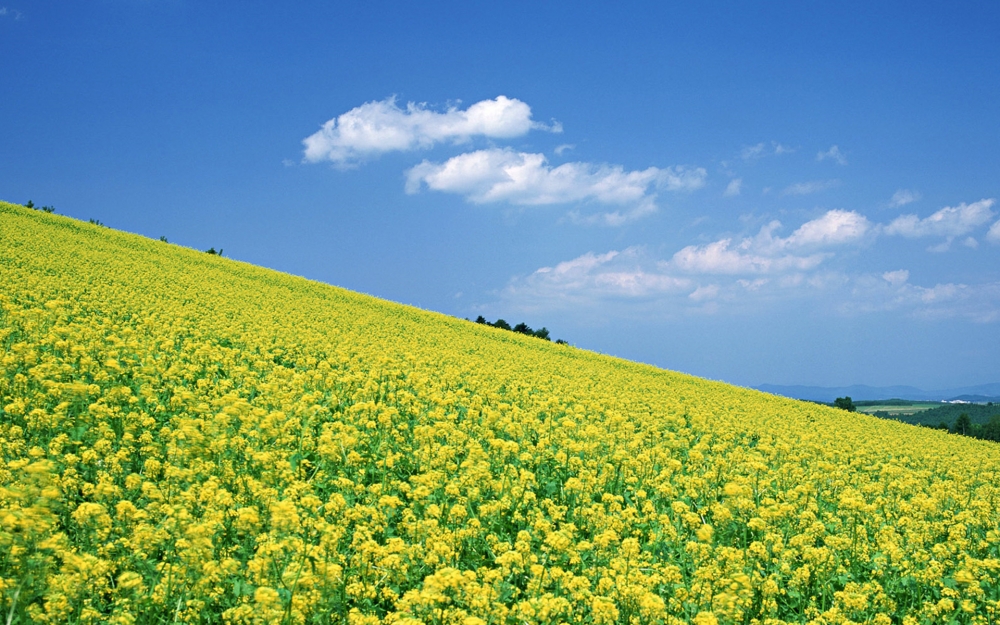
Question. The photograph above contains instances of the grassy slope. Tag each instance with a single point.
(268, 418)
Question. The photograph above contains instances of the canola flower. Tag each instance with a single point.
(186, 438)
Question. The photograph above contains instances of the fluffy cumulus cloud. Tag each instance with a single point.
(949, 222)
(835, 227)
(527, 179)
(378, 127)
(766, 253)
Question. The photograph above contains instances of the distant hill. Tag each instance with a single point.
(861, 392)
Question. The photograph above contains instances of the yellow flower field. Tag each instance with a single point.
(186, 438)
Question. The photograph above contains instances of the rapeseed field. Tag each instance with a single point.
(186, 438)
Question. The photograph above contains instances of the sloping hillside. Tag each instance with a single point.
(188, 438)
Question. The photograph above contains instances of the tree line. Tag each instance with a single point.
(521, 328)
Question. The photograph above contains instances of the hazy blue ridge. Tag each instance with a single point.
(861, 392)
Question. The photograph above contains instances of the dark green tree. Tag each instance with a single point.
(963, 425)
(845, 403)
(503, 325)
(991, 429)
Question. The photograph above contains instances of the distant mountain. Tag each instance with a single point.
(861, 392)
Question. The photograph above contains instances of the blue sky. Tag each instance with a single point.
(789, 193)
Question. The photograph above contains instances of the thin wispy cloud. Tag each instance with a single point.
(733, 188)
(807, 188)
(760, 150)
(11, 13)
(902, 197)
(613, 218)
(378, 127)
(834, 154)
(527, 179)
(752, 152)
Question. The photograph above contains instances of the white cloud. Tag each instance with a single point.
(4, 12)
(805, 188)
(950, 221)
(833, 153)
(733, 188)
(902, 197)
(835, 227)
(971, 242)
(994, 233)
(378, 127)
(722, 257)
(526, 179)
(563, 148)
(768, 254)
